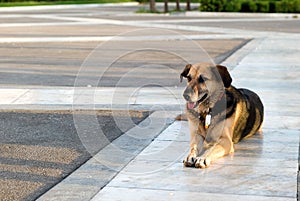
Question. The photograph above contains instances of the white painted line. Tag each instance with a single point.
(87, 96)
(56, 7)
(42, 24)
(79, 19)
(186, 21)
(54, 39)
(235, 14)
(9, 96)
(114, 38)
(138, 38)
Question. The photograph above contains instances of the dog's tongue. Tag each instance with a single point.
(191, 105)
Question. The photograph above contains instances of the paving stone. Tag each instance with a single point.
(113, 194)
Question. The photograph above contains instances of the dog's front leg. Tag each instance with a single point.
(214, 148)
(196, 145)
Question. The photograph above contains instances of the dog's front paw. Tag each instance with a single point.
(189, 161)
(202, 162)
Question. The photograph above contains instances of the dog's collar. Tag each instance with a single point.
(221, 96)
(208, 116)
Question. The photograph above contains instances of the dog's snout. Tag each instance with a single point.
(186, 96)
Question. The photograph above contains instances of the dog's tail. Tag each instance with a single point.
(181, 117)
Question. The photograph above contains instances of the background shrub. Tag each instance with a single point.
(233, 5)
(296, 6)
(282, 6)
(249, 6)
(212, 5)
(293, 6)
(262, 6)
(272, 7)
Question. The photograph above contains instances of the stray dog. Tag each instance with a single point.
(218, 114)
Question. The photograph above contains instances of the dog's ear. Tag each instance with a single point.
(226, 78)
(185, 71)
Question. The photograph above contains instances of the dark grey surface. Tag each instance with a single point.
(56, 130)
(58, 64)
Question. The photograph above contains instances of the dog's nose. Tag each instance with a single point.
(186, 96)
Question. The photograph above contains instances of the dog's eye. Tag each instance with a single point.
(189, 78)
(202, 79)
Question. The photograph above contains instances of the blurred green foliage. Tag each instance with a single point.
(264, 6)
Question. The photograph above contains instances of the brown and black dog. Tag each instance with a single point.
(219, 114)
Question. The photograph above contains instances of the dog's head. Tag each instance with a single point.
(206, 84)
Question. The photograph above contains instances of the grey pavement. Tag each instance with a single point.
(145, 163)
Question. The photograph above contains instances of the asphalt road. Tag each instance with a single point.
(42, 48)
(39, 148)
(58, 64)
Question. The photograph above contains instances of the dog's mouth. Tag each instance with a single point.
(192, 105)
